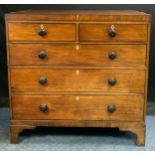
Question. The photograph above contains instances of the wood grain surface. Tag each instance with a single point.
(73, 55)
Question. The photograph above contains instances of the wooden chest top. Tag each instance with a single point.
(82, 15)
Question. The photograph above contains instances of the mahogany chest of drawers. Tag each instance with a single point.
(78, 69)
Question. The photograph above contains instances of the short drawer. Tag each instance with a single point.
(113, 32)
(48, 79)
(41, 32)
(74, 55)
(78, 107)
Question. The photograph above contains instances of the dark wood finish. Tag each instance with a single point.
(78, 69)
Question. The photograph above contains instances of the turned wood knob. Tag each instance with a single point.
(112, 31)
(43, 107)
(42, 80)
(112, 81)
(42, 55)
(42, 31)
(112, 55)
(111, 108)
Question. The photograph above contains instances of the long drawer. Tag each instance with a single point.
(41, 32)
(113, 32)
(74, 107)
(88, 55)
(48, 79)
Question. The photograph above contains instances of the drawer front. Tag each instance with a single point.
(89, 55)
(116, 32)
(74, 107)
(44, 79)
(41, 32)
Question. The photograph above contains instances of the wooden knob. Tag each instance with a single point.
(42, 80)
(112, 55)
(42, 31)
(112, 31)
(112, 81)
(111, 108)
(43, 107)
(42, 55)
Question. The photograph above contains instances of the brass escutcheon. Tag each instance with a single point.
(112, 27)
